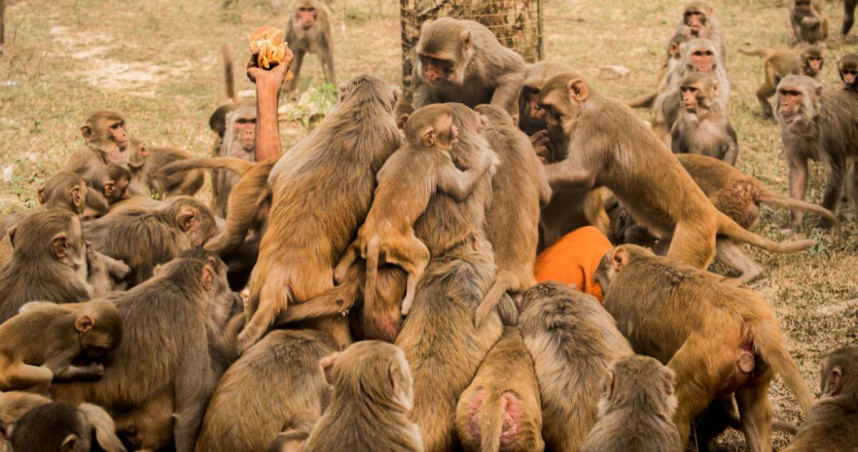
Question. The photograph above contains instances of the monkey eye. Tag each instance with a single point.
(849, 72)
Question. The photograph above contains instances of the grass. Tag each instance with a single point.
(158, 61)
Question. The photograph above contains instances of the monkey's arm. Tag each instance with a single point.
(566, 175)
(545, 191)
(20, 376)
(733, 147)
(506, 93)
(70, 372)
(460, 184)
(675, 142)
(116, 268)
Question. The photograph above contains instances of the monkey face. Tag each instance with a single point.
(803, 5)
(245, 128)
(849, 76)
(702, 60)
(117, 134)
(815, 64)
(689, 98)
(695, 20)
(790, 99)
(436, 71)
(306, 16)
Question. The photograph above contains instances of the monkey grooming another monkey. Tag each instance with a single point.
(808, 21)
(30, 359)
(847, 68)
(372, 395)
(62, 427)
(780, 63)
(571, 340)
(703, 126)
(500, 410)
(636, 409)
(645, 177)
(717, 337)
(309, 31)
(830, 423)
(462, 61)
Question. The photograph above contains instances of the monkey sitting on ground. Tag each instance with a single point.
(847, 68)
(106, 142)
(808, 21)
(500, 410)
(830, 423)
(30, 359)
(309, 31)
(780, 63)
(717, 337)
(703, 126)
(571, 340)
(109, 186)
(372, 395)
(406, 182)
(62, 427)
(636, 409)
(145, 162)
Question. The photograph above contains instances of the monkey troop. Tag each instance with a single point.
(373, 286)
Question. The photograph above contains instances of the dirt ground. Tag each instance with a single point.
(158, 61)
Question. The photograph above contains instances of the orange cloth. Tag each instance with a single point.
(574, 259)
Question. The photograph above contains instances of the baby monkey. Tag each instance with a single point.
(703, 126)
(406, 182)
(847, 67)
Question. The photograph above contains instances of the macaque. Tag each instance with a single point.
(847, 67)
(808, 21)
(848, 15)
(717, 337)
(309, 31)
(38, 345)
(462, 61)
(239, 141)
(109, 186)
(667, 74)
(703, 126)
(698, 21)
(106, 142)
(64, 428)
(145, 162)
(780, 63)
(636, 408)
(372, 392)
(821, 127)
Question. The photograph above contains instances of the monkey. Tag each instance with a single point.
(848, 15)
(672, 60)
(698, 21)
(519, 189)
(309, 30)
(109, 185)
(48, 264)
(62, 427)
(780, 63)
(372, 395)
(15, 404)
(462, 61)
(160, 234)
(144, 163)
(31, 359)
(703, 126)
(808, 21)
(534, 78)
(636, 408)
(847, 68)
(294, 434)
(165, 321)
(287, 379)
(571, 340)
(106, 142)
(335, 166)
(104, 273)
(501, 409)
(598, 157)
(405, 184)
(821, 127)
(830, 423)
(439, 338)
(239, 141)
(739, 353)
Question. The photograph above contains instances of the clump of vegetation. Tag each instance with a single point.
(313, 105)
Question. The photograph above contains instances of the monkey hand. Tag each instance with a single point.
(93, 371)
(540, 142)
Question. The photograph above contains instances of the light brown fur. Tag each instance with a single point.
(780, 63)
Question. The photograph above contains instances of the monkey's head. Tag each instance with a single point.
(561, 102)
(137, 153)
(112, 180)
(847, 67)
(52, 235)
(105, 129)
(696, 18)
(496, 116)
(366, 88)
(699, 92)
(615, 260)
(840, 376)
(674, 48)
(240, 136)
(223, 301)
(804, 6)
(64, 190)
(534, 79)
(641, 381)
(370, 370)
(52, 426)
(701, 55)
(99, 328)
(444, 50)
(192, 217)
(306, 14)
(798, 101)
(217, 121)
(431, 126)
(812, 60)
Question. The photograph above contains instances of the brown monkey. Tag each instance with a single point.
(287, 379)
(780, 63)
(309, 31)
(239, 141)
(739, 353)
(104, 273)
(106, 142)
(145, 162)
(501, 410)
(166, 321)
(808, 21)
(847, 67)
(109, 185)
(49, 262)
(38, 345)
(62, 427)
(294, 434)
(821, 127)
(830, 423)
(636, 408)
(673, 59)
(703, 126)
(602, 157)
(440, 340)
(534, 78)
(406, 183)
(571, 340)
(336, 166)
(462, 61)
(698, 21)
(848, 15)
(15, 404)
(160, 234)
(372, 392)
(519, 188)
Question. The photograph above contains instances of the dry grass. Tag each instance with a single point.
(158, 61)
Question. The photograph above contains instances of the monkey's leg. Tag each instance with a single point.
(797, 187)
(835, 171)
(192, 393)
(756, 415)
(330, 76)
(734, 256)
(695, 382)
(335, 301)
(243, 205)
(115, 267)
(296, 69)
(503, 282)
(693, 244)
(18, 377)
(346, 262)
(275, 296)
(765, 91)
(412, 255)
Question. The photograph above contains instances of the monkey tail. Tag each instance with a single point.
(735, 423)
(729, 227)
(489, 303)
(645, 101)
(237, 165)
(228, 74)
(769, 344)
(771, 197)
(764, 53)
(491, 422)
(334, 301)
(105, 430)
(370, 288)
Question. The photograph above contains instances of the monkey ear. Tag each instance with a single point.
(400, 123)
(619, 259)
(61, 245)
(833, 385)
(207, 278)
(394, 379)
(84, 323)
(577, 90)
(76, 198)
(11, 233)
(670, 384)
(86, 132)
(515, 119)
(467, 41)
(482, 123)
(608, 385)
(328, 367)
(716, 88)
(428, 136)
(187, 218)
(69, 444)
(818, 91)
(41, 195)
(395, 94)
(341, 91)
(672, 49)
